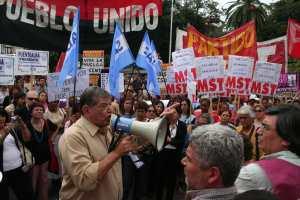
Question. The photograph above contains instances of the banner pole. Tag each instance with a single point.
(171, 30)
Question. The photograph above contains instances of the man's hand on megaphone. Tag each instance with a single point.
(169, 110)
(126, 145)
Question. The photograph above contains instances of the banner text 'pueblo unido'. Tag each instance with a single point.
(50, 21)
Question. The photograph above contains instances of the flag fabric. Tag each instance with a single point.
(157, 61)
(60, 62)
(146, 60)
(121, 57)
(293, 33)
(70, 63)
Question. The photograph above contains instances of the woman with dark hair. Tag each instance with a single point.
(160, 107)
(12, 136)
(186, 112)
(43, 99)
(126, 107)
(39, 147)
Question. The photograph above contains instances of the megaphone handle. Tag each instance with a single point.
(114, 141)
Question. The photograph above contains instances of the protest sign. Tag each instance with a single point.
(55, 92)
(29, 62)
(288, 83)
(104, 81)
(266, 77)
(183, 57)
(6, 70)
(93, 60)
(177, 79)
(239, 74)
(210, 74)
(192, 91)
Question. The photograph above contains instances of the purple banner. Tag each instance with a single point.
(288, 83)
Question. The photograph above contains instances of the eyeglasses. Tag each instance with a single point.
(258, 110)
(31, 99)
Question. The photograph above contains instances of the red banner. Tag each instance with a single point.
(241, 41)
(294, 38)
(274, 51)
(90, 9)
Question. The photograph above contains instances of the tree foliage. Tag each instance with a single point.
(240, 12)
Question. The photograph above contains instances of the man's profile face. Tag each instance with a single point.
(196, 177)
(100, 113)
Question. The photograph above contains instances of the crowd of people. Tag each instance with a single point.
(214, 148)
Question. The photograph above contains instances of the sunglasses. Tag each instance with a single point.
(258, 110)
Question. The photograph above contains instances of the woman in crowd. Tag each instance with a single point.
(43, 99)
(186, 112)
(17, 104)
(160, 107)
(75, 115)
(12, 136)
(225, 119)
(259, 115)
(126, 107)
(55, 114)
(39, 146)
(12, 91)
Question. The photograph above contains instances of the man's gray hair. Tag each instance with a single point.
(91, 94)
(246, 110)
(219, 146)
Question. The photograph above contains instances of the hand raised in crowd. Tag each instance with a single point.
(169, 110)
(126, 145)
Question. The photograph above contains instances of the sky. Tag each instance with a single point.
(223, 2)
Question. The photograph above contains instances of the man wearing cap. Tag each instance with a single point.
(278, 170)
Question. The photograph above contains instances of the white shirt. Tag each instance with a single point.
(11, 154)
(173, 130)
(252, 176)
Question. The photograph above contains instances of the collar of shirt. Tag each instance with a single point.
(212, 193)
(89, 126)
(284, 155)
(173, 129)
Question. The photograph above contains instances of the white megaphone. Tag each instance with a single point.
(154, 131)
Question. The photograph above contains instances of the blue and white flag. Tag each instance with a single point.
(120, 58)
(157, 61)
(70, 63)
(146, 60)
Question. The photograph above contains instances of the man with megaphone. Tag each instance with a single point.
(92, 169)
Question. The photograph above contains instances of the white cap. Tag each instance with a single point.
(253, 97)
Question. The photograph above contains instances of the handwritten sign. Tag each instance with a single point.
(6, 70)
(56, 93)
(183, 57)
(93, 60)
(29, 62)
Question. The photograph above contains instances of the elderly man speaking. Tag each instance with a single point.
(212, 163)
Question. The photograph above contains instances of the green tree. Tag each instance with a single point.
(202, 14)
(240, 12)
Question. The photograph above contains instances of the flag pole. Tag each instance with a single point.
(171, 30)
